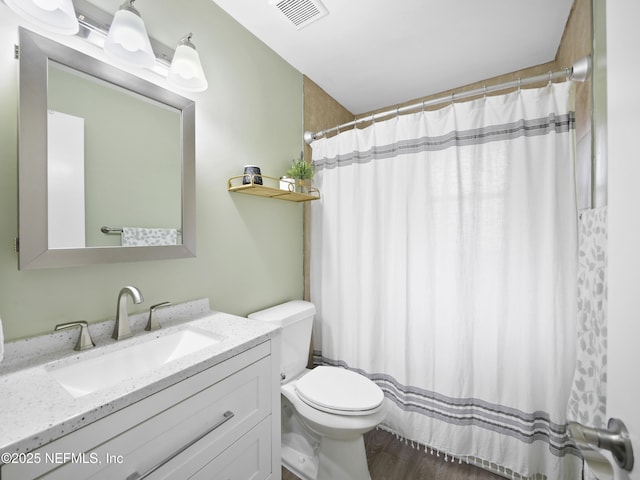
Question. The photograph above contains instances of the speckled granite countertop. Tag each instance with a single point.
(35, 409)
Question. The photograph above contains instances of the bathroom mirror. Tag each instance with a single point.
(100, 151)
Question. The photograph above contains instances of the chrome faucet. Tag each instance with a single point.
(122, 329)
(84, 340)
(152, 323)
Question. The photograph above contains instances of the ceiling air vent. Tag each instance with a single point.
(301, 12)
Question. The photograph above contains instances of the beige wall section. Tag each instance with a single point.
(249, 249)
(575, 44)
(321, 111)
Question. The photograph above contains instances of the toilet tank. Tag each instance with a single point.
(296, 320)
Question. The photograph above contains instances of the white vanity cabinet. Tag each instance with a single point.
(222, 423)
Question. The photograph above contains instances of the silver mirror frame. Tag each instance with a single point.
(35, 53)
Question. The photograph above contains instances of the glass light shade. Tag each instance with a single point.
(128, 40)
(57, 16)
(186, 71)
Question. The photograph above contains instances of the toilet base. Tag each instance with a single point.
(344, 459)
(299, 444)
(304, 466)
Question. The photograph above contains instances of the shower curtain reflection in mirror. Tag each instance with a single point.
(443, 266)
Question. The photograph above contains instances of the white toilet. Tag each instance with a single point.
(325, 411)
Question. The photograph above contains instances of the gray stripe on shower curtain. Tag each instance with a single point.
(526, 427)
(508, 131)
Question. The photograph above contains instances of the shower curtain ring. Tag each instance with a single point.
(519, 83)
(453, 97)
(484, 88)
(550, 73)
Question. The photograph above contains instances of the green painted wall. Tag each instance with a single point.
(249, 250)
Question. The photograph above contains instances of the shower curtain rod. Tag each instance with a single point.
(579, 71)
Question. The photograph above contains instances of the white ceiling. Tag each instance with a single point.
(369, 54)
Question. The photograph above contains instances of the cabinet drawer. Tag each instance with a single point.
(249, 458)
(246, 394)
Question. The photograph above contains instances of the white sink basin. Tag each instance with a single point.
(93, 374)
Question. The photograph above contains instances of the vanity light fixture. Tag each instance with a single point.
(57, 16)
(127, 39)
(186, 71)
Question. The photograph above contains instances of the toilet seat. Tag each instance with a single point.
(339, 391)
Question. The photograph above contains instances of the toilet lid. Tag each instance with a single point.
(337, 389)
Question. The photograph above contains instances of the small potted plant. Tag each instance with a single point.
(302, 172)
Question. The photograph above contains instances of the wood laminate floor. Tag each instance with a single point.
(391, 459)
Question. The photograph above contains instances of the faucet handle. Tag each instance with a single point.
(152, 323)
(84, 340)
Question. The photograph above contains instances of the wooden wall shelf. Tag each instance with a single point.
(235, 185)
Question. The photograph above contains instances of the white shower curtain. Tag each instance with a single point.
(443, 266)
